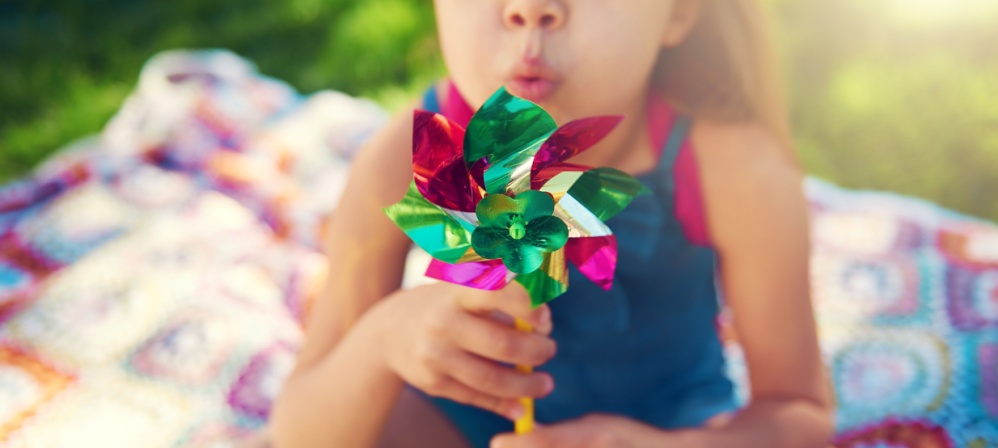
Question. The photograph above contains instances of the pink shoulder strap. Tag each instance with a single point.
(688, 199)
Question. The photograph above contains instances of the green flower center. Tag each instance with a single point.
(517, 228)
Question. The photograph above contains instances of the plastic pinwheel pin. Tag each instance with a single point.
(497, 202)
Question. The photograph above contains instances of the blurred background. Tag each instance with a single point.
(898, 95)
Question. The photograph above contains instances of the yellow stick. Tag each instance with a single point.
(525, 423)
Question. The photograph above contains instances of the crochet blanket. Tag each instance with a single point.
(153, 278)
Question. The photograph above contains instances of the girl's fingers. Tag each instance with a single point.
(540, 437)
(457, 391)
(496, 380)
(512, 300)
(489, 339)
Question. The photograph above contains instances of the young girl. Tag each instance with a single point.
(640, 365)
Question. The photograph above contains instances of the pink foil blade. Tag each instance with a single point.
(595, 257)
(438, 164)
(489, 275)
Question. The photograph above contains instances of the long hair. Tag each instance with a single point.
(726, 70)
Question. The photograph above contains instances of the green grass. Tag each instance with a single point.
(883, 96)
(67, 65)
(887, 97)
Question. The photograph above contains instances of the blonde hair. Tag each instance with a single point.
(726, 69)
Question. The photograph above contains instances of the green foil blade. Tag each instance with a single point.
(550, 281)
(503, 126)
(606, 191)
(511, 174)
(430, 227)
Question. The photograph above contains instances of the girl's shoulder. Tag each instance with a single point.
(725, 145)
(382, 170)
(747, 180)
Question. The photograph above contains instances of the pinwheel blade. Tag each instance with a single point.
(505, 125)
(434, 230)
(438, 165)
(596, 258)
(489, 275)
(511, 174)
(548, 282)
(580, 221)
(572, 139)
(603, 191)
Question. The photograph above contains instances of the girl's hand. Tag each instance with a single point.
(448, 340)
(591, 431)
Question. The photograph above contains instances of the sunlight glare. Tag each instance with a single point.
(930, 12)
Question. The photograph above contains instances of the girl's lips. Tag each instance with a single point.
(533, 89)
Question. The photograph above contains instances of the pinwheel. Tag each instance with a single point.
(497, 202)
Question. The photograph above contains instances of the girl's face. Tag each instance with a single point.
(576, 58)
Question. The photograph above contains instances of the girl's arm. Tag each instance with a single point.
(758, 222)
(365, 337)
(366, 254)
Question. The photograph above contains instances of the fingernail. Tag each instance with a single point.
(548, 385)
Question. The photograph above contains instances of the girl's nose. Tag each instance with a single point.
(543, 14)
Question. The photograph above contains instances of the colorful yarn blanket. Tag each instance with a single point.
(153, 278)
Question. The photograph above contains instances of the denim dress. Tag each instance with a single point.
(648, 348)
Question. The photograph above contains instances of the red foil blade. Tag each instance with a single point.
(573, 138)
(438, 163)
